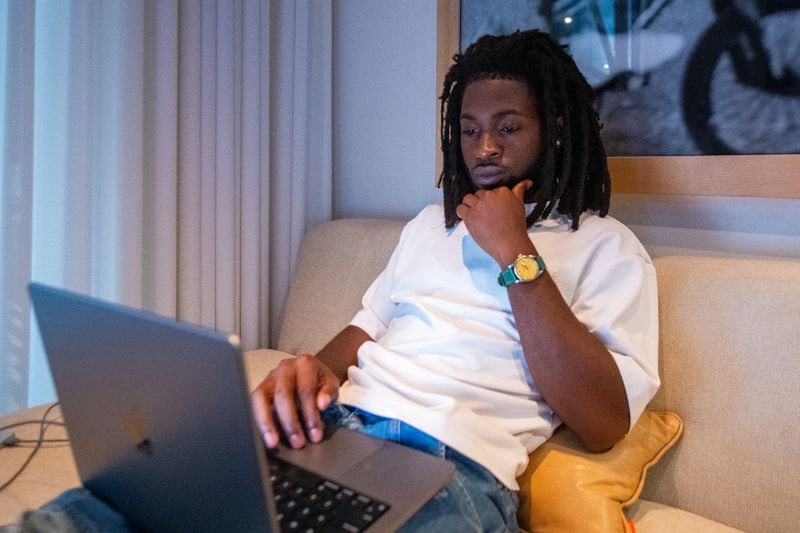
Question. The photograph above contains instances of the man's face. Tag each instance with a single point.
(499, 132)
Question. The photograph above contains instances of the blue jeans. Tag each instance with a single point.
(472, 501)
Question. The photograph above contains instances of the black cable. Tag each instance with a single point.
(16, 441)
(29, 422)
(43, 425)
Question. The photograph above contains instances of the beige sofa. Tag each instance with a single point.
(730, 366)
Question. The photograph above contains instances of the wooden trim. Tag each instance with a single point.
(448, 32)
(759, 176)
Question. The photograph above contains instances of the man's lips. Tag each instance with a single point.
(488, 175)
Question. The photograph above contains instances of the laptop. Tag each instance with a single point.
(161, 428)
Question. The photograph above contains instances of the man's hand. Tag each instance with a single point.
(308, 382)
(496, 220)
(305, 380)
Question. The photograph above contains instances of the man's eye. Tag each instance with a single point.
(508, 129)
(468, 132)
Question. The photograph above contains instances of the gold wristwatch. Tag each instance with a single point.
(525, 268)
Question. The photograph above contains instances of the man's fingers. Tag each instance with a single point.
(261, 400)
(286, 407)
(520, 188)
(307, 386)
(328, 393)
(296, 391)
(470, 199)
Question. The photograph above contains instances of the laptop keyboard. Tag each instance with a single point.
(308, 502)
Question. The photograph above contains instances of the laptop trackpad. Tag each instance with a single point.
(371, 465)
(340, 451)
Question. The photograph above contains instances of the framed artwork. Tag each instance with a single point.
(695, 96)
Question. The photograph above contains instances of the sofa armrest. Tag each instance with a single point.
(258, 363)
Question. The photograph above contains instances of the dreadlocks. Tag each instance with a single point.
(574, 173)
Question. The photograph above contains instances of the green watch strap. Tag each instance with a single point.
(511, 275)
(507, 276)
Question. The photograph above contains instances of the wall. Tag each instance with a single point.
(385, 108)
(384, 68)
(694, 225)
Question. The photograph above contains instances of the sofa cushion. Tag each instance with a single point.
(566, 488)
(729, 360)
(652, 517)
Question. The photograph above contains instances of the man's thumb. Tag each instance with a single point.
(520, 188)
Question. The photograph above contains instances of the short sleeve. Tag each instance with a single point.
(617, 300)
(377, 307)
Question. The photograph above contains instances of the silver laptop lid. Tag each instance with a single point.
(133, 386)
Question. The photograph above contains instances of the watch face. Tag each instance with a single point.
(526, 268)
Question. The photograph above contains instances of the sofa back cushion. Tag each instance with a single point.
(336, 264)
(730, 367)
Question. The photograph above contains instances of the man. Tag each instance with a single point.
(513, 307)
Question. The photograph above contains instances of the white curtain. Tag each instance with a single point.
(163, 154)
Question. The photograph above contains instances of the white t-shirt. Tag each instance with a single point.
(447, 358)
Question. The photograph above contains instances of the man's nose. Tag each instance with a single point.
(488, 147)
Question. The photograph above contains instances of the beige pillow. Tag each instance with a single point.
(566, 488)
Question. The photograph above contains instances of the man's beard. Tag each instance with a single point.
(534, 173)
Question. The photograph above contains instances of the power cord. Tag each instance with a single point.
(9, 439)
